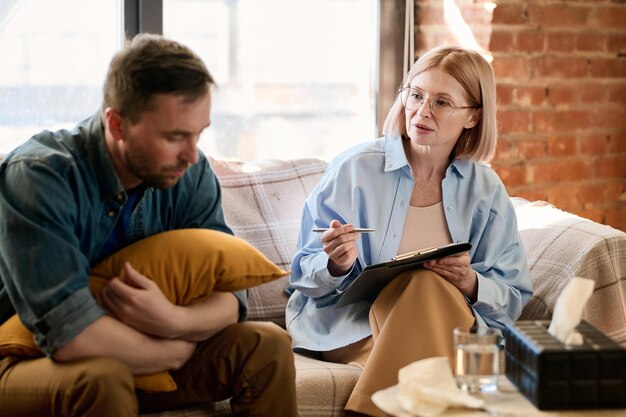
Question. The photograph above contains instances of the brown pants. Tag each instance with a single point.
(250, 362)
(412, 319)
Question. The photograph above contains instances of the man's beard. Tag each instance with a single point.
(140, 167)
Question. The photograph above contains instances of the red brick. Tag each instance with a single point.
(531, 149)
(616, 43)
(608, 17)
(530, 194)
(593, 143)
(510, 67)
(530, 41)
(504, 92)
(561, 146)
(513, 121)
(617, 92)
(559, 121)
(511, 175)
(594, 214)
(557, 15)
(506, 149)
(561, 170)
(617, 142)
(607, 68)
(561, 42)
(564, 196)
(591, 41)
(594, 193)
(608, 117)
(512, 14)
(592, 92)
(616, 217)
(501, 41)
(615, 189)
(562, 95)
(529, 96)
(610, 167)
(562, 67)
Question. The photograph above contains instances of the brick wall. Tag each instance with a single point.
(561, 80)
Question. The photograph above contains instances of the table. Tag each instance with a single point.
(508, 402)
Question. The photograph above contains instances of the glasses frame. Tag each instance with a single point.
(430, 104)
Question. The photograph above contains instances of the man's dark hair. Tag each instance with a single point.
(151, 65)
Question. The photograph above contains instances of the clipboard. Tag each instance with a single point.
(370, 282)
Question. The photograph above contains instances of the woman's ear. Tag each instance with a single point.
(473, 119)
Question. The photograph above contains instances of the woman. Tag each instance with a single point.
(425, 183)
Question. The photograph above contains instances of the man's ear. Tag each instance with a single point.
(473, 119)
(113, 121)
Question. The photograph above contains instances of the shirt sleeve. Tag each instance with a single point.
(42, 267)
(504, 284)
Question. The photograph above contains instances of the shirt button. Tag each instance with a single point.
(111, 213)
(450, 208)
(119, 197)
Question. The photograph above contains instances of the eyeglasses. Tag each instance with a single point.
(440, 107)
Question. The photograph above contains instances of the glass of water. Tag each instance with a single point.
(477, 363)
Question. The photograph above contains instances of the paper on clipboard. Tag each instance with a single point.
(374, 278)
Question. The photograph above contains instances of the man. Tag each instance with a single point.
(69, 200)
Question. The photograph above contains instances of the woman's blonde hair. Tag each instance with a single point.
(476, 77)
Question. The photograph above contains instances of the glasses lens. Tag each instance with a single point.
(411, 99)
(441, 108)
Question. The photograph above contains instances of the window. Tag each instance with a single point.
(54, 60)
(295, 77)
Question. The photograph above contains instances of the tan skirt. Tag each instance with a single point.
(412, 319)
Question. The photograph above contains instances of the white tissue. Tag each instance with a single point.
(568, 311)
(426, 388)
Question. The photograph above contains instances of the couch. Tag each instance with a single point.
(263, 202)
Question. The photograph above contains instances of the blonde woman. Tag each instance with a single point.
(425, 183)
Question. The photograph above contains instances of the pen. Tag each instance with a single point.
(414, 253)
(356, 229)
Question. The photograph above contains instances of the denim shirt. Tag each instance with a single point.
(370, 185)
(60, 198)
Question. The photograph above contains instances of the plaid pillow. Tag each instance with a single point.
(263, 204)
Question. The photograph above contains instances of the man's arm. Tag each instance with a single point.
(141, 304)
(141, 353)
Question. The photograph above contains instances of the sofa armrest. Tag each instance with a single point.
(561, 246)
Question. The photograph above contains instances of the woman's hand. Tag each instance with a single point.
(457, 271)
(340, 244)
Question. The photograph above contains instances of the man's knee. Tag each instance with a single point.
(103, 384)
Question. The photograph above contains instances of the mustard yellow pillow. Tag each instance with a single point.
(186, 264)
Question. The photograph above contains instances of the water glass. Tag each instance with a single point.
(477, 363)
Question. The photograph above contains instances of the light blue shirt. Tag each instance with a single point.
(370, 185)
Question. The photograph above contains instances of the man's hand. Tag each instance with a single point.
(140, 304)
(457, 271)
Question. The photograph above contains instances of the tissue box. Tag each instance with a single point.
(554, 376)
